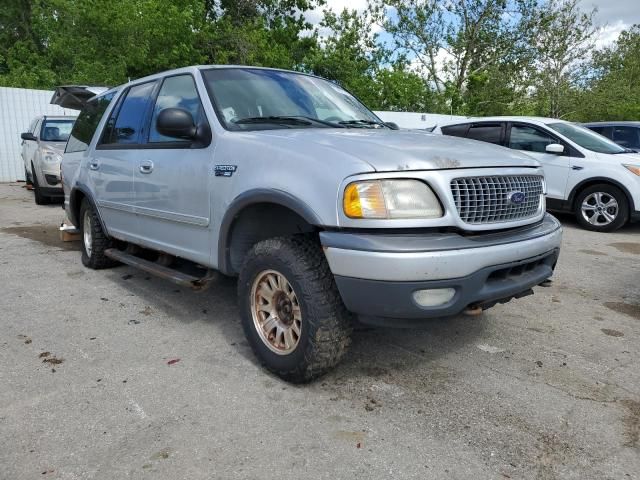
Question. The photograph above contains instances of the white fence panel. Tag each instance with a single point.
(18, 106)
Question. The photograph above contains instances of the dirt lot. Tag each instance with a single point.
(114, 374)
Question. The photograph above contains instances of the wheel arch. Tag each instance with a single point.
(77, 194)
(595, 181)
(249, 219)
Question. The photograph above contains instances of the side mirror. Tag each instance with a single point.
(392, 125)
(554, 148)
(176, 123)
(27, 136)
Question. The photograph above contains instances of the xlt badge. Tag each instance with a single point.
(224, 170)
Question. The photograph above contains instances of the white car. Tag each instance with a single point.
(586, 173)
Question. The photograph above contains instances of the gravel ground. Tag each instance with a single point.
(114, 374)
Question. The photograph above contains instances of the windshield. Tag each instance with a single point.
(251, 99)
(586, 138)
(56, 130)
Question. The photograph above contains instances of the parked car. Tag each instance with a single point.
(42, 148)
(625, 134)
(586, 174)
(290, 183)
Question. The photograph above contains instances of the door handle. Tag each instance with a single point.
(146, 166)
(577, 167)
(94, 165)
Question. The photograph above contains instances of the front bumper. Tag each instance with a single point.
(377, 275)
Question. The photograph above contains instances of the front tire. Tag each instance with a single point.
(602, 208)
(37, 191)
(291, 311)
(94, 240)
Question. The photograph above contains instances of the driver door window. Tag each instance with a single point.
(176, 92)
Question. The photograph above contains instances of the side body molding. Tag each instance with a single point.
(251, 197)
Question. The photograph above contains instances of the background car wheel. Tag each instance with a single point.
(602, 208)
(37, 191)
(291, 311)
(27, 177)
(94, 240)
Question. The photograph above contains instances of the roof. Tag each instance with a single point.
(59, 117)
(516, 118)
(612, 123)
(195, 68)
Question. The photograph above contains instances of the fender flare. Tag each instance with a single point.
(72, 207)
(615, 183)
(252, 197)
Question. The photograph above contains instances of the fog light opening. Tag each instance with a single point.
(433, 297)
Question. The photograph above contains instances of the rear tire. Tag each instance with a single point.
(601, 208)
(291, 311)
(94, 240)
(37, 192)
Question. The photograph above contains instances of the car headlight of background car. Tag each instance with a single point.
(49, 156)
(389, 199)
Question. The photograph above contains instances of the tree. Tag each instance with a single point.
(612, 92)
(455, 41)
(564, 41)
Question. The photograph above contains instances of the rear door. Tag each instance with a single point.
(171, 179)
(116, 155)
(533, 141)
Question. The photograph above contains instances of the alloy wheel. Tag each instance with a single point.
(87, 233)
(599, 208)
(276, 312)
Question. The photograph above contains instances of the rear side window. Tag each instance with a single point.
(529, 139)
(626, 136)
(486, 132)
(87, 122)
(126, 123)
(456, 130)
(176, 92)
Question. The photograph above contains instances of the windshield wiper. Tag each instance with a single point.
(361, 122)
(274, 119)
(289, 119)
(626, 150)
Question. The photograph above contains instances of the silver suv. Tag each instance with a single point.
(324, 212)
(42, 147)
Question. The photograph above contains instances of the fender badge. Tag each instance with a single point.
(224, 170)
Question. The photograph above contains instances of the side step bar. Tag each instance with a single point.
(175, 276)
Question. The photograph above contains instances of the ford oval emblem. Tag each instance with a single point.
(516, 197)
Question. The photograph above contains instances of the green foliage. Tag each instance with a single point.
(613, 92)
(469, 57)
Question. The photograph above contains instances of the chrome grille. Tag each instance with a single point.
(489, 199)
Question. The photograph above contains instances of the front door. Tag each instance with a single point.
(533, 141)
(171, 179)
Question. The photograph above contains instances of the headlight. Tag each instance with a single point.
(632, 168)
(50, 156)
(390, 199)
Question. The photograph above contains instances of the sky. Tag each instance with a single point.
(613, 16)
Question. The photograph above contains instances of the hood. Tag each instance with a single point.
(394, 150)
(57, 147)
(617, 158)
